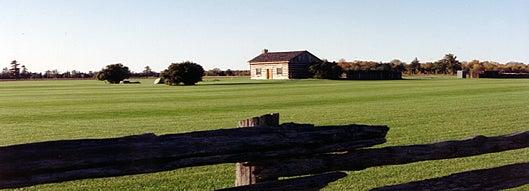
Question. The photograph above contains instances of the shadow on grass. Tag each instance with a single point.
(498, 178)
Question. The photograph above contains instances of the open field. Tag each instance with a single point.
(417, 111)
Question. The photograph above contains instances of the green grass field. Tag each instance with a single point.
(416, 110)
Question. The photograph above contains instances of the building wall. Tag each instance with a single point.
(272, 67)
(299, 66)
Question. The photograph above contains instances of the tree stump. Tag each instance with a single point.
(246, 174)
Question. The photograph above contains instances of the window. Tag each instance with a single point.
(279, 71)
(258, 71)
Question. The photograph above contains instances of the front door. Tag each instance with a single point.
(268, 74)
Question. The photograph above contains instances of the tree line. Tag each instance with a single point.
(184, 73)
(19, 71)
(449, 64)
(446, 65)
(228, 72)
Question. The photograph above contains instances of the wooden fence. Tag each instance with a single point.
(372, 75)
(498, 74)
(264, 151)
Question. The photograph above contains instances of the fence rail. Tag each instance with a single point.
(264, 150)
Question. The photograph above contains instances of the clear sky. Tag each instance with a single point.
(89, 34)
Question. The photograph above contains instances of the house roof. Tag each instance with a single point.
(277, 56)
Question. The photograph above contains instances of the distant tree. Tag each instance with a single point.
(397, 65)
(75, 74)
(453, 64)
(229, 72)
(47, 74)
(5, 73)
(342, 61)
(415, 66)
(474, 66)
(147, 71)
(490, 66)
(383, 67)
(24, 73)
(396, 62)
(65, 75)
(51, 74)
(427, 68)
(15, 70)
(54, 73)
(440, 67)
(186, 73)
(215, 72)
(326, 70)
(448, 65)
(515, 67)
(114, 73)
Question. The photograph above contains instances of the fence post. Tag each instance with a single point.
(244, 174)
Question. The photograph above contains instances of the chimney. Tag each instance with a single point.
(265, 51)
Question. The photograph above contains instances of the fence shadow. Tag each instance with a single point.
(498, 178)
(265, 151)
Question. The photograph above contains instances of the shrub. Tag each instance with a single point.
(186, 73)
(114, 73)
(326, 70)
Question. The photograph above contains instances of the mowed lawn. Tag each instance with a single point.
(416, 110)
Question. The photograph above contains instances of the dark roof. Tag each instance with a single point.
(277, 56)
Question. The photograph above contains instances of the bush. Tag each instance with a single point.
(114, 73)
(186, 73)
(326, 70)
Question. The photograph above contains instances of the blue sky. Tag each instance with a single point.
(87, 35)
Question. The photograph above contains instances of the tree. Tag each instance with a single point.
(75, 74)
(475, 66)
(427, 68)
(415, 66)
(5, 73)
(186, 73)
(51, 73)
(148, 71)
(396, 62)
(342, 61)
(15, 70)
(215, 72)
(449, 64)
(439, 67)
(490, 66)
(383, 67)
(229, 72)
(24, 73)
(114, 73)
(326, 70)
(397, 65)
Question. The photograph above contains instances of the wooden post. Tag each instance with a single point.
(245, 174)
(307, 183)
